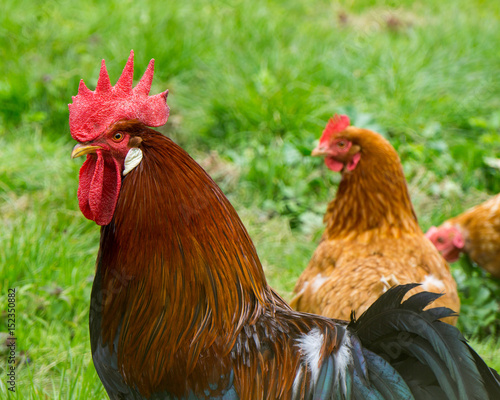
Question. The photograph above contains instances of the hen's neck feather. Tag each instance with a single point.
(177, 266)
(372, 199)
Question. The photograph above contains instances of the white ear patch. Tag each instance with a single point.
(134, 157)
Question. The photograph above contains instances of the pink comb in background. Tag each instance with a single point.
(92, 112)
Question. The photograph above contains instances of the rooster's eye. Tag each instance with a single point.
(117, 136)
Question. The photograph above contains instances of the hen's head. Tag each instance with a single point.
(103, 122)
(336, 145)
(343, 147)
(448, 240)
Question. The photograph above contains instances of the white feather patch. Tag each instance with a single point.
(318, 281)
(430, 282)
(134, 157)
(389, 282)
(385, 283)
(310, 346)
(343, 358)
(296, 382)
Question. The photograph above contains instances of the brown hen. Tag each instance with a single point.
(475, 232)
(372, 239)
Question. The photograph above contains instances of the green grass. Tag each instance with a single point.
(252, 84)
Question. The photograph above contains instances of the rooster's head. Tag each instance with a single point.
(96, 120)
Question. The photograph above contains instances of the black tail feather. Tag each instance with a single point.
(419, 301)
(404, 334)
(490, 377)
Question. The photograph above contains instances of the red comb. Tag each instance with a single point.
(336, 124)
(92, 112)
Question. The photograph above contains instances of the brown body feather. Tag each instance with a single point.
(372, 240)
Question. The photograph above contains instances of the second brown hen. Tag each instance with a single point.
(372, 239)
(475, 232)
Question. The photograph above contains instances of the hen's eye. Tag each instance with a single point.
(118, 136)
(440, 239)
(341, 144)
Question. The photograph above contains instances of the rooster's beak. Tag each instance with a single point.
(82, 149)
(319, 151)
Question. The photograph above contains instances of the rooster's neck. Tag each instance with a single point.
(176, 268)
(372, 200)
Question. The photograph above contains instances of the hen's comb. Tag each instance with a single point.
(336, 124)
(92, 112)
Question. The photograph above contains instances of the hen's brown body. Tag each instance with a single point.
(372, 239)
(478, 231)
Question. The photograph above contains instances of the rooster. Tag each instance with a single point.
(475, 232)
(372, 239)
(180, 307)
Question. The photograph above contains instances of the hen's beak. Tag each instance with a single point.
(319, 151)
(82, 149)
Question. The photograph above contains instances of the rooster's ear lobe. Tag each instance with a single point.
(132, 160)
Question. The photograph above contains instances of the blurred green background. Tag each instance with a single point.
(252, 84)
